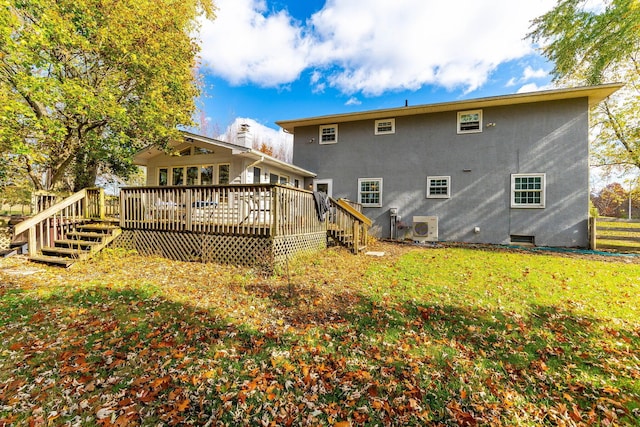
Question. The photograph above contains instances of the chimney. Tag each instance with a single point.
(244, 137)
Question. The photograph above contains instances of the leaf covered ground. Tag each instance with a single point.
(422, 336)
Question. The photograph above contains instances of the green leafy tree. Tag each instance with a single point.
(85, 83)
(593, 46)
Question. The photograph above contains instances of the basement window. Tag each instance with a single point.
(522, 240)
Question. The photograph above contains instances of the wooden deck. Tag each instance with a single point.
(235, 224)
(256, 210)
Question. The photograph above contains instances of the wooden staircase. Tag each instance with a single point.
(348, 226)
(70, 230)
(83, 242)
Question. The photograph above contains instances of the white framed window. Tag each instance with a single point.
(328, 134)
(469, 121)
(438, 187)
(385, 126)
(370, 192)
(324, 185)
(528, 190)
(190, 175)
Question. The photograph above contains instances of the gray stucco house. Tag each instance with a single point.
(501, 170)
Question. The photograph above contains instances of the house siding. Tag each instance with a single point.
(543, 137)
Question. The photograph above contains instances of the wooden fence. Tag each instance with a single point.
(615, 234)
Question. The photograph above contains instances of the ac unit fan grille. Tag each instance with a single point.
(421, 228)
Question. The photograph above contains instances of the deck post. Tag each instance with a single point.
(32, 241)
(187, 208)
(356, 236)
(275, 210)
(101, 204)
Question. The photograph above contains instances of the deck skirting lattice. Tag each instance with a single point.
(5, 238)
(287, 246)
(222, 249)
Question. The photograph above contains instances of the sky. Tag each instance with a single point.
(270, 60)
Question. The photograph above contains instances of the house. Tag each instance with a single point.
(509, 169)
(198, 160)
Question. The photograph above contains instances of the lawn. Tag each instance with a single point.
(422, 336)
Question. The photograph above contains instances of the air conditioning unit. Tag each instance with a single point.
(425, 229)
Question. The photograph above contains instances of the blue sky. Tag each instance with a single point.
(278, 60)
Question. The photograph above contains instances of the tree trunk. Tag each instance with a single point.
(86, 172)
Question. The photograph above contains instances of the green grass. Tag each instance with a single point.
(447, 336)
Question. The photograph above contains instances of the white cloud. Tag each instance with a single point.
(244, 44)
(532, 87)
(368, 47)
(353, 101)
(529, 73)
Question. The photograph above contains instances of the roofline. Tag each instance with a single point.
(242, 150)
(595, 94)
(214, 141)
(255, 154)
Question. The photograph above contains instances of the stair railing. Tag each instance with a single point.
(348, 225)
(54, 222)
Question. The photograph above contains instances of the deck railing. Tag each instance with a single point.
(252, 209)
(53, 223)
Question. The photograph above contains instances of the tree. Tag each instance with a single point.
(611, 200)
(592, 46)
(84, 84)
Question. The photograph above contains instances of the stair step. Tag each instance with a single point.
(65, 252)
(75, 243)
(5, 253)
(97, 228)
(66, 262)
(79, 235)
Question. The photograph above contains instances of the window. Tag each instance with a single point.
(284, 179)
(163, 176)
(223, 174)
(256, 175)
(206, 175)
(185, 152)
(177, 176)
(200, 150)
(385, 126)
(273, 178)
(528, 190)
(470, 121)
(328, 134)
(370, 192)
(438, 187)
(192, 175)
